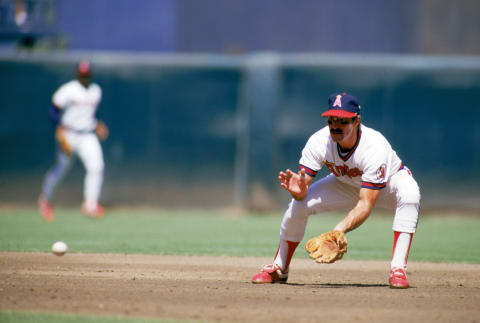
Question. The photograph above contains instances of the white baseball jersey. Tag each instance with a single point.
(79, 105)
(369, 164)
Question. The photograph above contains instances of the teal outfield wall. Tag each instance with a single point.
(209, 130)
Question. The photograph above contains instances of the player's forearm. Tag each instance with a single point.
(355, 217)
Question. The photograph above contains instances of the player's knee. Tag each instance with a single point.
(294, 221)
(299, 208)
(410, 196)
(96, 168)
(406, 218)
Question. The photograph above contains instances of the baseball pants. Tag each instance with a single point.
(87, 147)
(401, 194)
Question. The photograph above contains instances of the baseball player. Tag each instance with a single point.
(364, 171)
(77, 132)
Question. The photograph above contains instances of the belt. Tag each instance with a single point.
(82, 132)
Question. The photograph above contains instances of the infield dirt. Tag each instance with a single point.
(219, 289)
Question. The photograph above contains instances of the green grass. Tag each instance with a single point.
(202, 232)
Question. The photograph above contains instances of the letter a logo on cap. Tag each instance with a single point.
(338, 101)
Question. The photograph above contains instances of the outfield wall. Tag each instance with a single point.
(212, 130)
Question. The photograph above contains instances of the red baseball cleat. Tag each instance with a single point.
(398, 279)
(45, 209)
(270, 274)
(93, 213)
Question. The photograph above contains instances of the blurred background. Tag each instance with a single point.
(207, 100)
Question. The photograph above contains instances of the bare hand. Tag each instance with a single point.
(295, 183)
(102, 131)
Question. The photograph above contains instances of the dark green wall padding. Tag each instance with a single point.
(210, 130)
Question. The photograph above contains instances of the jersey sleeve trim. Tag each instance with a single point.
(308, 171)
(54, 114)
(373, 186)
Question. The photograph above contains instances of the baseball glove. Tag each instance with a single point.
(62, 141)
(327, 247)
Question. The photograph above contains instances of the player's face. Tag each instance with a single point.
(84, 79)
(342, 130)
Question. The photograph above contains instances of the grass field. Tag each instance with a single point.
(445, 238)
(199, 232)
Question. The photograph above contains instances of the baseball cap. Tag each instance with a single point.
(84, 68)
(342, 105)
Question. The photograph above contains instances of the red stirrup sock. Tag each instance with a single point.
(285, 253)
(401, 248)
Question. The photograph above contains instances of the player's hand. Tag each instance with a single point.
(101, 130)
(294, 183)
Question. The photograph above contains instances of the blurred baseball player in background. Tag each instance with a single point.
(77, 132)
(365, 171)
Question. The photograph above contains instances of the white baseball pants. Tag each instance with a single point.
(401, 194)
(87, 147)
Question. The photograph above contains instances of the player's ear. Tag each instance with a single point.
(358, 120)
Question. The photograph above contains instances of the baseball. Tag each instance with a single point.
(59, 248)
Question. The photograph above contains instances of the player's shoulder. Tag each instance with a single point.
(372, 143)
(320, 136)
(69, 84)
(66, 88)
(372, 136)
(322, 133)
(94, 87)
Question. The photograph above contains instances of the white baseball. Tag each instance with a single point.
(59, 248)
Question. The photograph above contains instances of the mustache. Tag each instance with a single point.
(336, 131)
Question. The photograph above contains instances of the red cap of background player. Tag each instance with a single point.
(342, 105)
(84, 68)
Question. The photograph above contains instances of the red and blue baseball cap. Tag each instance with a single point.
(84, 68)
(342, 105)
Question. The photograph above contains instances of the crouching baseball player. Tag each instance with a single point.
(365, 171)
(77, 132)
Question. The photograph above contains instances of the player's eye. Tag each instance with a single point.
(339, 120)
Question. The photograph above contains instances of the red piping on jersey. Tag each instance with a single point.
(350, 153)
(308, 171)
(373, 186)
(378, 186)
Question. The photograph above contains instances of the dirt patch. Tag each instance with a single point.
(219, 289)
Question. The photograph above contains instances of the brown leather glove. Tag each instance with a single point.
(327, 247)
(61, 138)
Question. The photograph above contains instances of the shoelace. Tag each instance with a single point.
(271, 268)
(398, 273)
